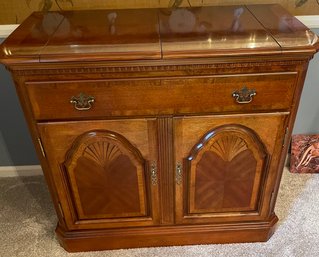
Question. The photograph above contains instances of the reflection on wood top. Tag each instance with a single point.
(157, 33)
(213, 30)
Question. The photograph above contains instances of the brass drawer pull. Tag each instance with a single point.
(244, 95)
(82, 102)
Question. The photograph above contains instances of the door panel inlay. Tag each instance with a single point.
(231, 181)
(227, 147)
(102, 153)
(225, 169)
(107, 176)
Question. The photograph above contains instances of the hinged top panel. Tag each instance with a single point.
(107, 35)
(232, 30)
(85, 36)
(27, 42)
(288, 31)
(211, 31)
(142, 34)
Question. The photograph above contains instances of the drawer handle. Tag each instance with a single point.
(244, 95)
(82, 102)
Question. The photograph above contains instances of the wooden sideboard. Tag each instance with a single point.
(160, 127)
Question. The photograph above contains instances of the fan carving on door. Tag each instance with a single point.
(107, 176)
(228, 147)
(102, 152)
(225, 168)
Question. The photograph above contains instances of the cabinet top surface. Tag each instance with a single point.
(138, 34)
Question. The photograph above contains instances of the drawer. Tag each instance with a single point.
(161, 96)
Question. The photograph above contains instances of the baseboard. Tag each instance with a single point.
(19, 171)
(311, 21)
(6, 30)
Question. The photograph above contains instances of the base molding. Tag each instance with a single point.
(95, 240)
(20, 171)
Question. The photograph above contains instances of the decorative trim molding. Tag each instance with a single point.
(6, 30)
(20, 171)
(191, 68)
(311, 21)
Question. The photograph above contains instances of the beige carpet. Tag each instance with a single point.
(27, 222)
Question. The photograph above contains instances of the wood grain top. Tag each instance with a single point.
(138, 34)
(288, 31)
(217, 30)
(106, 34)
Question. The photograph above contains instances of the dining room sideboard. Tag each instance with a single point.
(161, 127)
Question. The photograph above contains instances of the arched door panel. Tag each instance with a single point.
(107, 176)
(105, 172)
(224, 170)
(223, 165)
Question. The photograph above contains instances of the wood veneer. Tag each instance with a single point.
(127, 97)
(172, 131)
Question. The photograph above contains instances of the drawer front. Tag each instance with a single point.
(165, 96)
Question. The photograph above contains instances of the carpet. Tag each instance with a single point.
(27, 223)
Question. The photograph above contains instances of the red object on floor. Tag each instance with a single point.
(304, 154)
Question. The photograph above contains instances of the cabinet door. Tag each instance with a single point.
(105, 171)
(226, 166)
